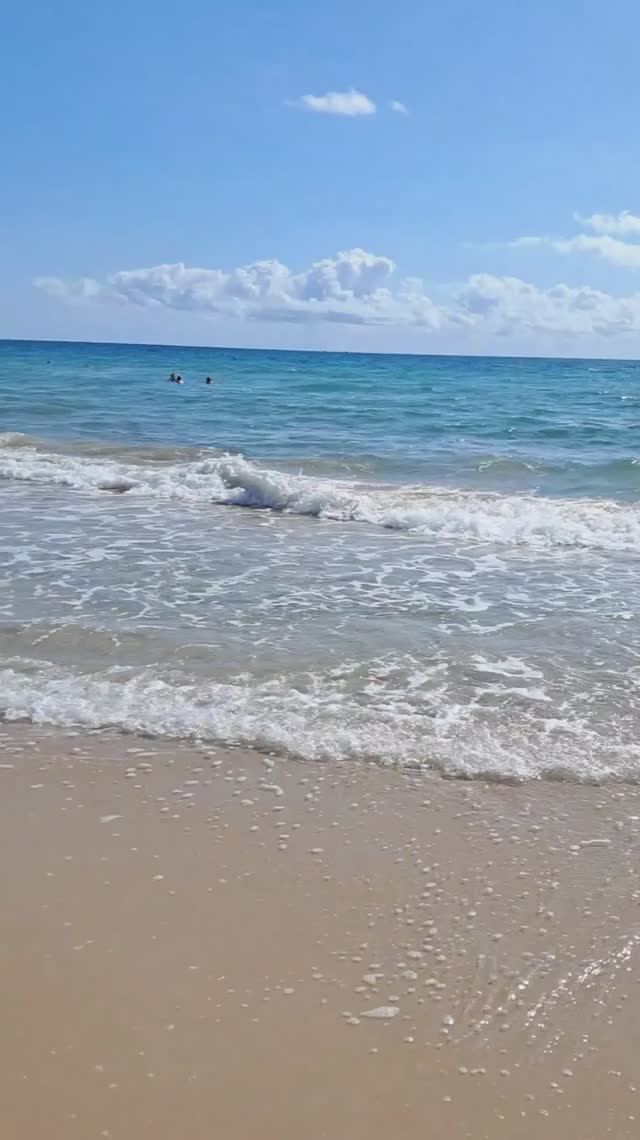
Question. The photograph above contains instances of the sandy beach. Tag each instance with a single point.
(202, 943)
(320, 572)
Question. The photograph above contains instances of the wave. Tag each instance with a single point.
(433, 512)
(621, 467)
(134, 453)
(320, 723)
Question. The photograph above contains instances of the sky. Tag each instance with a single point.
(419, 177)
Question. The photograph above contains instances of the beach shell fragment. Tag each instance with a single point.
(381, 1012)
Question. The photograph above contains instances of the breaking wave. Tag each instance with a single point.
(436, 512)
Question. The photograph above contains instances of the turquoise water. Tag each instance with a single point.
(556, 426)
(436, 563)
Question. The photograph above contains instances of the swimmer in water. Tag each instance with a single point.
(179, 380)
(173, 378)
(208, 380)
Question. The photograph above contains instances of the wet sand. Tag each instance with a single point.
(192, 939)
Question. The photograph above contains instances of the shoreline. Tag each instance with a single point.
(194, 937)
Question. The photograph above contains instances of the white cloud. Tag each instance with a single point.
(602, 242)
(82, 289)
(399, 107)
(508, 305)
(622, 223)
(528, 242)
(352, 103)
(602, 245)
(360, 288)
(351, 288)
(610, 248)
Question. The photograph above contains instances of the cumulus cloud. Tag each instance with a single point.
(610, 248)
(354, 287)
(605, 241)
(602, 245)
(399, 107)
(622, 223)
(360, 288)
(351, 103)
(508, 305)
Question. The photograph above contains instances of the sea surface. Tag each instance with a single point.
(424, 561)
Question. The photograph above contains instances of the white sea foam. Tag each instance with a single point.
(435, 512)
(323, 723)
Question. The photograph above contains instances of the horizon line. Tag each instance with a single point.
(315, 351)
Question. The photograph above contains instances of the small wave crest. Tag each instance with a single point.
(16, 439)
(320, 723)
(623, 468)
(434, 512)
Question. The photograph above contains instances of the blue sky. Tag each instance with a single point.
(146, 135)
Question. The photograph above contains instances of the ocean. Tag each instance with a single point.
(421, 561)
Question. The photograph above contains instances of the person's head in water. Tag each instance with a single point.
(179, 380)
(173, 378)
(208, 380)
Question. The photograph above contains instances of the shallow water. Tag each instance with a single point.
(416, 560)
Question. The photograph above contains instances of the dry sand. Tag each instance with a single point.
(191, 939)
